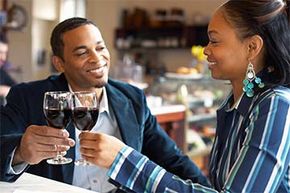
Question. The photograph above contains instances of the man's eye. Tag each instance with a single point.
(81, 53)
(100, 48)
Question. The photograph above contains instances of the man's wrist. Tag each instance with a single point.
(17, 158)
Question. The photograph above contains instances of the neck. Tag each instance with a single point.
(237, 90)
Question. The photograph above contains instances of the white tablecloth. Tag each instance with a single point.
(29, 183)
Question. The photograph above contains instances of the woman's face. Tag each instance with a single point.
(226, 53)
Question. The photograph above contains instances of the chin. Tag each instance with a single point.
(215, 76)
(101, 83)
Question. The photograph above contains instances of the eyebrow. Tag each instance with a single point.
(85, 47)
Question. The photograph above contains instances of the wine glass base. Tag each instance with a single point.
(59, 161)
(82, 163)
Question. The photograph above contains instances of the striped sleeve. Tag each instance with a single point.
(136, 172)
(263, 161)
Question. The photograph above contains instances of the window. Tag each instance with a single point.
(72, 8)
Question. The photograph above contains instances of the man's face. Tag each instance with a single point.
(3, 53)
(86, 60)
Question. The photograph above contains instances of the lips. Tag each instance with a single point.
(99, 71)
(211, 64)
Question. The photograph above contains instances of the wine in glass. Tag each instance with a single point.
(85, 113)
(57, 107)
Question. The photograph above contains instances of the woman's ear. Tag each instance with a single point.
(255, 46)
(57, 63)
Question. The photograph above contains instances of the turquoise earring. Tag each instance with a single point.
(249, 81)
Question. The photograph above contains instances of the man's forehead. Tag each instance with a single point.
(83, 34)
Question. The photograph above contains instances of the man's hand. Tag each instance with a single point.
(41, 142)
(100, 149)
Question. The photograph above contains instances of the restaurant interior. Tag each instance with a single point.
(154, 45)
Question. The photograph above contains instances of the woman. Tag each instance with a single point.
(249, 46)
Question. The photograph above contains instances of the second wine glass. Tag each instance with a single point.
(85, 113)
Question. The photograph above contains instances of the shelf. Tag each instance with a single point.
(155, 48)
(199, 152)
(201, 117)
(183, 76)
(194, 102)
(161, 38)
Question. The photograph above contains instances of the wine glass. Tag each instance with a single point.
(85, 113)
(57, 107)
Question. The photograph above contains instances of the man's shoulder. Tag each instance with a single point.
(123, 87)
(38, 87)
(42, 84)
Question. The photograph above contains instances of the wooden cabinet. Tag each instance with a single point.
(172, 120)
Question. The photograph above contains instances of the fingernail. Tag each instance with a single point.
(65, 133)
(71, 143)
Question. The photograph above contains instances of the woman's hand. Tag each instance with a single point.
(99, 148)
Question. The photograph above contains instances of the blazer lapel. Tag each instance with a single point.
(125, 116)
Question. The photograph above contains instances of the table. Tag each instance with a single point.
(29, 183)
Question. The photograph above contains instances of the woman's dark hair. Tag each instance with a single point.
(56, 40)
(270, 20)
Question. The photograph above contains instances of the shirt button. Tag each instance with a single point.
(95, 181)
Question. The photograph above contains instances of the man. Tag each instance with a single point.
(5, 80)
(80, 54)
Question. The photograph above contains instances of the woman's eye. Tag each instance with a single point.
(212, 41)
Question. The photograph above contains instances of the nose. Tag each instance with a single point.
(206, 50)
(95, 57)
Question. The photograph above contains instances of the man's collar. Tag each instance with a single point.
(103, 103)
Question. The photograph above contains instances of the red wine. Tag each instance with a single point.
(85, 118)
(57, 118)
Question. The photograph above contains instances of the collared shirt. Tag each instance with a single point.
(94, 177)
(251, 151)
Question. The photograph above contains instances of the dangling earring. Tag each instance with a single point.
(248, 81)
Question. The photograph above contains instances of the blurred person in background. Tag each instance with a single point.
(6, 80)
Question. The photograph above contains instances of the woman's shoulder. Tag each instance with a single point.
(278, 93)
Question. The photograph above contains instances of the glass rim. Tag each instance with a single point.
(57, 92)
(84, 92)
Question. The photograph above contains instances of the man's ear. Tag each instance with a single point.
(58, 63)
(255, 46)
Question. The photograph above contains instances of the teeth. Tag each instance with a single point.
(98, 70)
(103, 62)
(212, 63)
(102, 65)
